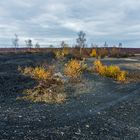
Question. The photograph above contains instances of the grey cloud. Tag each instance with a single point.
(102, 20)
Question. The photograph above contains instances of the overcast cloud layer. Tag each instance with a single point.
(51, 21)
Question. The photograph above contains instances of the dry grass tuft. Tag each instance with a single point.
(40, 93)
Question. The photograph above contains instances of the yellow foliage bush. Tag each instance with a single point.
(61, 53)
(111, 71)
(122, 76)
(38, 73)
(74, 68)
(99, 67)
(41, 74)
(49, 89)
(65, 51)
(93, 53)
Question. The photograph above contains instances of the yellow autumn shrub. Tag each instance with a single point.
(93, 53)
(65, 51)
(61, 53)
(73, 68)
(38, 73)
(111, 71)
(49, 88)
(99, 67)
(41, 74)
(122, 76)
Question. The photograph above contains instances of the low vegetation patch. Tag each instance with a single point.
(74, 68)
(48, 94)
(111, 71)
(62, 53)
(93, 53)
(50, 89)
(59, 54)
(38, 73)
(51, 85)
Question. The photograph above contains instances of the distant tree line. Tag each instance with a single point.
(80, 43)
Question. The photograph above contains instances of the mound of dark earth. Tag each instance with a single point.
(107, 111)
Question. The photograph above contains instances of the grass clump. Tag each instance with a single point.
(111, 71)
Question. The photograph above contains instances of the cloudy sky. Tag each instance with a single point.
(51, 21)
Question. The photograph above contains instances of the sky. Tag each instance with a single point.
(53, 21)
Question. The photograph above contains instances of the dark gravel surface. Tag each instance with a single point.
(107, 111)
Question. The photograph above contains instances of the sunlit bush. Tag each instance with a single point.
(122, 76)
(99, 67)
(59, 54)
(111, 71)
(65, 51)
(49, 89)
(41, 74)
(62, 53)
(93, 53)
(38, 73)
(74, 68)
